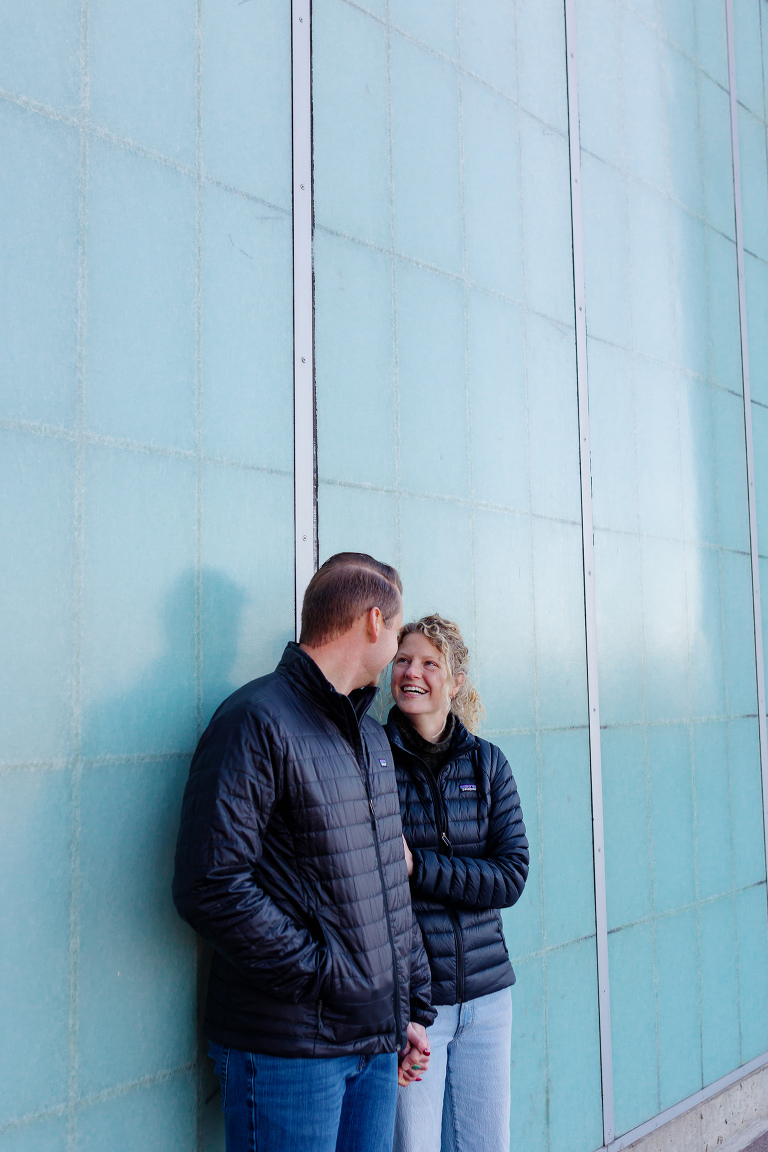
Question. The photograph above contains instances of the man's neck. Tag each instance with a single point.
(340, 665)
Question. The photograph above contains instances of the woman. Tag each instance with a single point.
(467, 856)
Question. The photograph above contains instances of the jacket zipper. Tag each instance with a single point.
(366, 781)
(445, 846)
(459, 957)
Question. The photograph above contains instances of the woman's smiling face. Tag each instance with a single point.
(421, 684)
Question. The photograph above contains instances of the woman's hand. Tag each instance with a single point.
(408, 859)
(414, 1059)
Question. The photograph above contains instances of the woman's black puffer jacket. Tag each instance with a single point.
(470, 858)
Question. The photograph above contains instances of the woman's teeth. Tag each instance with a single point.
(412, 690)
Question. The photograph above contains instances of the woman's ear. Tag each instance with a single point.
(458, 681)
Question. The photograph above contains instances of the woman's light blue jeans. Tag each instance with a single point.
(278, 1104)
(462, 1104)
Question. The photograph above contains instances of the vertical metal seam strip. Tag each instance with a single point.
(304, 471)
(754, 554)
(598, 838)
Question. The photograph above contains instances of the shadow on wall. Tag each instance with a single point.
(223, 604)
(138, 963)
(158, 713)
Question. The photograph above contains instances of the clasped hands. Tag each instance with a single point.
(414, 1059)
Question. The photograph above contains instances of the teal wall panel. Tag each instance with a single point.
(244, 99)
(139, 371)
(678, 1005)
(159, 1118)
(352, 137)
(751, 21)
(142, 65)
(38, 578)
(41, 59)
(246, 331)
(128, 815)
(53, 1135)
(752, 72)
(37, 816)
(40, 178)
(674, 593)
(448, 439)
(751, 929)
(138, 602)
(756, 277)
(146, 423)
(146, 412)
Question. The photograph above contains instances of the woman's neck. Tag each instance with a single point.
(430, 726)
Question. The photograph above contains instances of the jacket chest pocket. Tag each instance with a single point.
(466, 812)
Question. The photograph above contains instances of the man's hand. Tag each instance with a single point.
(414, 1059)
(408, 859)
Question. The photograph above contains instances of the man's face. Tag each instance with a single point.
(388, 639)
(377, 655)
(383, 651)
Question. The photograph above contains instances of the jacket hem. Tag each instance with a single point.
(448, 997)
(295, 1048)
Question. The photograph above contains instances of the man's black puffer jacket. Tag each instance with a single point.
(470, 858)
(290, 862)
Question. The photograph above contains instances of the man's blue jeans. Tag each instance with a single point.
(278, 1104)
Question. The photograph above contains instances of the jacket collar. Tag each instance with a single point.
(302, 671)
(463, 740)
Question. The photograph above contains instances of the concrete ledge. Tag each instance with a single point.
(728, 1122)
(748, 1139)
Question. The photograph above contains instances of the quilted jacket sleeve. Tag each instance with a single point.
(422, 1011)
(227, 805)
(495, 880)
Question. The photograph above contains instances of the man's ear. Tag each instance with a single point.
(374, 624)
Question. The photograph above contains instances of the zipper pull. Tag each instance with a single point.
(370, 805)
(447, 843)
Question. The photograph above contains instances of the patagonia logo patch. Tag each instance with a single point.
(468, 787)
(382, 762)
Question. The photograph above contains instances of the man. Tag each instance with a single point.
(290, 862)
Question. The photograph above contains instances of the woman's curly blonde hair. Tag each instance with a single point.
(447, 638)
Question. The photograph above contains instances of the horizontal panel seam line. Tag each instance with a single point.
(704, 901)
(96, 1097)
(129, 145)
(95, 438)
(456, 277)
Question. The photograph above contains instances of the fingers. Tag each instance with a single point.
(410, 1066)
(406, 1076)
(417, 1038)
(414, 1059)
